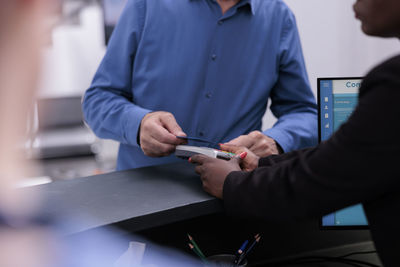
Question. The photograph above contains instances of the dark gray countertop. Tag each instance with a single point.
(145, 197)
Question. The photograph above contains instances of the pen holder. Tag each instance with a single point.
(224, 260)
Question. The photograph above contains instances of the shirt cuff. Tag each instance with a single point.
(280, 137)
(132, 120)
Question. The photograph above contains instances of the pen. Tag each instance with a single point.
(196, 246)
(240, 251)
(197, 253)
(243, 256)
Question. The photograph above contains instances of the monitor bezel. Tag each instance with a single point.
(335, 227)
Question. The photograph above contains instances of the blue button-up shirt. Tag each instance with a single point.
(213, 72)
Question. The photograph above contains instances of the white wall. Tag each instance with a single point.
(333, 43)
(71, 61)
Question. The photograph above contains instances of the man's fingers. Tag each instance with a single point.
(264, 146)
(259, 150)
(243, 140)
(231, 148)
(154, 148)
(169, 122)
(162, 135)
(235, 141)
(156, 138)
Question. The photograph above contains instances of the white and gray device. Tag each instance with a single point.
(185, 151)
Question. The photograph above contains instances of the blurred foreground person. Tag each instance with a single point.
(359, 163)
(21, 33)
(27, 238)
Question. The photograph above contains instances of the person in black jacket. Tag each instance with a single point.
(358, 164)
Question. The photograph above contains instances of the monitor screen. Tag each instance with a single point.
(66, 112)
(112, 10)
(337, 98)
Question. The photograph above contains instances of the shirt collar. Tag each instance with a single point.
(249, 3)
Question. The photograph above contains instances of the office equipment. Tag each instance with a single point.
(196, 247)
(112, 10)
(185, 152)
(337, 98)
(247, 251)
(240, 251)
(197, 252)
(61, 131)
(197, 139)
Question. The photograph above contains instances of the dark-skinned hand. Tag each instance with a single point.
(213, 171)
(249, 163)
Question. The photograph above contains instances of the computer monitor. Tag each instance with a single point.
(112, 10)
(337, 98)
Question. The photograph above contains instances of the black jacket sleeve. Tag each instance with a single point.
(359, 163)
(275, 159)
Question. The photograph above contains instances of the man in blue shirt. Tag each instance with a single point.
(203, 68)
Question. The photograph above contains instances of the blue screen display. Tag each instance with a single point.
(338, 98)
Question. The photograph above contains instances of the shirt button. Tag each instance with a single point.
(208, 95)
(201, 133)
(214, 57)
(220, 22)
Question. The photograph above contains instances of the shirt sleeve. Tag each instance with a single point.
(108, 105)
(292, 101)
(358, 164)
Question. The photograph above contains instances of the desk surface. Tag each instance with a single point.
(145, 197)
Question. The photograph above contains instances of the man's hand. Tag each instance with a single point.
(158, 131)
(214, 171)
(249, 163)
(258, 143)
